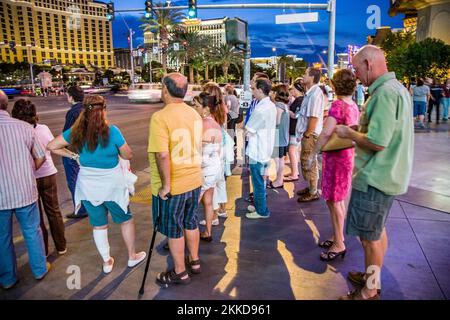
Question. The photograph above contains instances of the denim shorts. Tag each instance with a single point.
(367, 213)
(420, 108)
(98, 215)
(176, 213)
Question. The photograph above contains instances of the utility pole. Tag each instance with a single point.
(131, 50)
(132, 57)
(30, 61)
(247, 55)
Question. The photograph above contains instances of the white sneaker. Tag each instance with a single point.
(215, 222)
(222, 214)
(251, 208)
(255, 215)
(134, 263)
(107, 268)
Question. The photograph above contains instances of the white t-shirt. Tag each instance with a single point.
(45, 136)
(261, 129)
(312, 106)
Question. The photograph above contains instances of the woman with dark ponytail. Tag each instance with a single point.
(25, 110)
(103, 183)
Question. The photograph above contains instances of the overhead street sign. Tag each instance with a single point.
(297, 18)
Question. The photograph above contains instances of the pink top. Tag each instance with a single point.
(45, 136)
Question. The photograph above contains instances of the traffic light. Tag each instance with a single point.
(148, 9)
(192, 10)
(12, 46)
(110, 11)
(236, 31)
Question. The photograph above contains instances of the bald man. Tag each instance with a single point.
(174, 148)
(383, 164)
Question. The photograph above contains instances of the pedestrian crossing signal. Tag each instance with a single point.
(192, 10)
(110, 11)
(148, 9)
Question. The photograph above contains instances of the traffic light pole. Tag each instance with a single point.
(330, 7)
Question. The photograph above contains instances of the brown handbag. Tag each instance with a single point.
(335, 143)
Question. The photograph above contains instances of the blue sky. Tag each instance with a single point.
(306, 40)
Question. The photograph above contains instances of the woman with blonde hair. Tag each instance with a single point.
(103, 184)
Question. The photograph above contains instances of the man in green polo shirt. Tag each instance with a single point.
(383, 164)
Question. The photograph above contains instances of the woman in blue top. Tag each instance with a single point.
(101, 183)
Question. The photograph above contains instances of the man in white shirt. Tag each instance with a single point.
(260, 130)
(309, 126)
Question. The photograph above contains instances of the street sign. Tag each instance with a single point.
(176, 46)
(297, 18)
(245, 99)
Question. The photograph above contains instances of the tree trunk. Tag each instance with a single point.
(215, 74)
(197, 76)
(207, 72)
(225, 72)
(191, 74)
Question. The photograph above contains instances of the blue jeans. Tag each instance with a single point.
(257, 170)
(29, 222)
(445, 104)
(71, 168)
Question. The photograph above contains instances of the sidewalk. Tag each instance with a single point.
(277, 258)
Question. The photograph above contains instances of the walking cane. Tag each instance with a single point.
(150, 250)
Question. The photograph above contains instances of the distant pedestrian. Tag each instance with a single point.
(175, 165)
(232, 103)
(309, 127)
(25, 110)
(360, 93)
(104, 183)
(280, 96)
(260, 130)
(446, 100)
(383, 165)
(20, 155)
(421, 96)
(297, 92)
(75, 96)
(436, 94)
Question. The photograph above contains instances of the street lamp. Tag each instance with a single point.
(276, 62)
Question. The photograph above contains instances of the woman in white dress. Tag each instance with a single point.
(206, 105)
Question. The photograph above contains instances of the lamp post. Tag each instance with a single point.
(30, 61)
(276, 62)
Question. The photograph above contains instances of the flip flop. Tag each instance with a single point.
(290, 180)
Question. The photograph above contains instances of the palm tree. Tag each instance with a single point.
(192, 49)
(164, 21)
(225, 56)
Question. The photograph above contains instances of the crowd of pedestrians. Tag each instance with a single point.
(365, 146)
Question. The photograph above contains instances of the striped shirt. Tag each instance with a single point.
(18, 147)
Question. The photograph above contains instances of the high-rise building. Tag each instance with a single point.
(214, 28)
(56, 31)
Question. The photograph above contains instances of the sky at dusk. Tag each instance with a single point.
(307, 40)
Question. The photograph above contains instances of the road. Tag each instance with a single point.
(132, 119)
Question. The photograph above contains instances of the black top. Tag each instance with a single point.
(436, 91)
(72, 115)
(294, 107)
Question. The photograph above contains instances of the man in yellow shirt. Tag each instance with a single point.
(176, 176)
